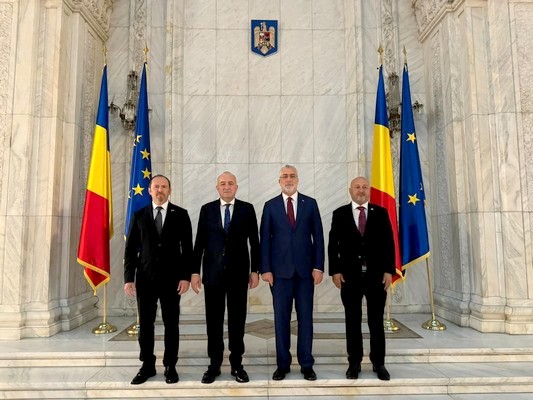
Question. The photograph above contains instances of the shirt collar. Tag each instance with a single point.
(164, 205)
(355, 205)
(223, 203)
(294, 197)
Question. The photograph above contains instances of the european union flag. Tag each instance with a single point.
(141, 161)
(414, 243)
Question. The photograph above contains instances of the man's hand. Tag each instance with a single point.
(196, 283)
(338, 280)
(129, 289)
(253, 281)
(183, 286)
(268, 277)
(318, 275)
(387, 280)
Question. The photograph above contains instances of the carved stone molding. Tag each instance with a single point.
(429, 12)
(6, 19)
(95, 12)
(139, 32)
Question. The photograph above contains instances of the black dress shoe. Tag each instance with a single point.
(143, 375)
(280, 373)
(171, 375)
(382, 372)
(309, 374)
(210, 375)
(240, 375)
(353, 371)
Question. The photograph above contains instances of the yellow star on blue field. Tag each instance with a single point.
(145, 154)
(413, 199)
(136, 139)
(146, 173)
(411, 137)
(138, 190)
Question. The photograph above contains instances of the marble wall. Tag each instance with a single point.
(216, 106)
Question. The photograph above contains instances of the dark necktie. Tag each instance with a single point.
(159, 220)
(362, 219)
(290, 212)
(227, 217)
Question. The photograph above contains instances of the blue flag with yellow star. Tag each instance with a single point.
(141, 159)
(414, 243)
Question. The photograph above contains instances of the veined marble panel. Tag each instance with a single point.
(265, 184)
(296, 57)
(296, 14)
(232, 141)
(197, 189)
(353, 122)
(232, 62)
(350, 51)
(156, 102)
(328, 14)
(297, 129)
(370, 60)
(330, 129)
(199, 129)
(199, 62)
(200, 14)
(349, 14)
(265, 128)
(120, 16)
(232, 14)
(156, 71)
(157, 13)
(260, 9)
(264, 74)
(329, 68)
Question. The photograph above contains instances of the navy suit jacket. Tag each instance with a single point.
(217, 251)
(150, 258)
(286, 251)
(348, 249)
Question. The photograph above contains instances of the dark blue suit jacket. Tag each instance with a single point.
(286, 251)
(219, 252)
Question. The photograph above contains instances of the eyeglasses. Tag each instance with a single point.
(287, 176)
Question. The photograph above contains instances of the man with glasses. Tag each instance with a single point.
(292, 262)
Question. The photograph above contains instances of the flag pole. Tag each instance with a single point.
(105, 327)
(388, 323)
(433, 324)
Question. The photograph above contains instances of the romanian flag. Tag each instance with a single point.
(141, 160)
(414, 243)
(382, 181)
(97, 222)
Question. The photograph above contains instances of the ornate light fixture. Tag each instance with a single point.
(128, 111)
(394, 103)
(417, 106)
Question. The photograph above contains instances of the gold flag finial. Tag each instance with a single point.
(380, 51)
(404, 55)
(105, 54)
(145, 51)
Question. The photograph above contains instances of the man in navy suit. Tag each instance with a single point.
(225, 229)
(157, 266)
(361, 263)
(292, 262)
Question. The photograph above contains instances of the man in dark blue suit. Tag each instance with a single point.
(157, 267)
(361, 263)
(292, 262)
(225, 229)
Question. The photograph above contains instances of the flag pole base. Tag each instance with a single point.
(104, 328)
(133, 330)
(434, 325)
(390, 326)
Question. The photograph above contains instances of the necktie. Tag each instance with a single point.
(362, 219)
(290, 212)
(227, 217)
(159, 220)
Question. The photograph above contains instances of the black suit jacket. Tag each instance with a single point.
(348, 249)
(218, 251)
(166, 259)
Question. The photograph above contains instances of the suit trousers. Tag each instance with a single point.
(352, 293)
(169, 299)
(216, 296)
(284, 291)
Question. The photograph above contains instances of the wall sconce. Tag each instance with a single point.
(393, 103)
(128, 111)
(417, 106)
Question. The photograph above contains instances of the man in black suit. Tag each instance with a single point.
(225, 228)
(157, 266)
(361, 263)
(292, 262)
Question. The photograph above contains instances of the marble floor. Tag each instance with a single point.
(458, 363)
